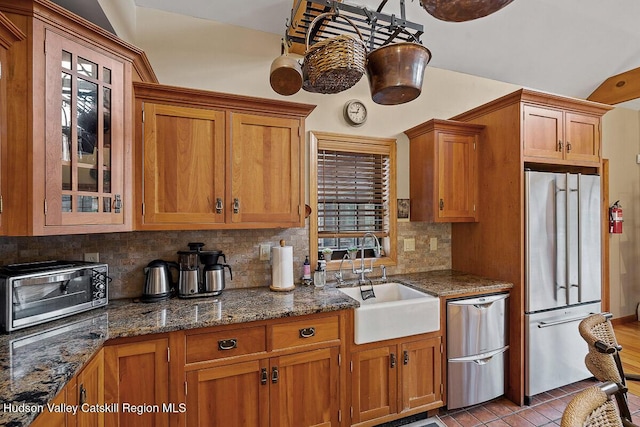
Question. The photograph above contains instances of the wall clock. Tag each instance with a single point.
(355, 113)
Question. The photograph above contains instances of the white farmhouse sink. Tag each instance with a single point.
(396, 311)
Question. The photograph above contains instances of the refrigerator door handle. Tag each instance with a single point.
(580, 254)
(567, 287)
(563, 321)
(555, 221)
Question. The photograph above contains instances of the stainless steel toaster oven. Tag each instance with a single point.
(33, 293)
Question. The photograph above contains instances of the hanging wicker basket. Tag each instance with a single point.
(335, 64)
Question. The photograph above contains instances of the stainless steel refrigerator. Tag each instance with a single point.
(563, 275)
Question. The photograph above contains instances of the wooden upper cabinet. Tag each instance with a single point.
(582, 138)
(543, 132)
(266, 173)
(443, 171)
(69, 124)
(553, 135)
(85, 136)
(211, 160)
(9, 34)
(184, 165)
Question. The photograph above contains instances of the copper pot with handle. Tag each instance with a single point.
(285, 75)
(462, 10)
(396, 72)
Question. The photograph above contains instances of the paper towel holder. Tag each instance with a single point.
(281, 288)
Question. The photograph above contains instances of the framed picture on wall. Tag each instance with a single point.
(403, 209)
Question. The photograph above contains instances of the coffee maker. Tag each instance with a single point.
(196, 282)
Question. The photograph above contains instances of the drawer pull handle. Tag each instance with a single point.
(227, 344)
(219, 205)
(274, 374)
(307, 332)
(263, 376)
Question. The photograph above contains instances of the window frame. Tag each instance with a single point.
(352, 144)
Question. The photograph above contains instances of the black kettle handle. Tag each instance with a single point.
(229, 267)
(176, 266)
(224, 258)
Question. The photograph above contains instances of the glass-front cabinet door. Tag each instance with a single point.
(85, 135)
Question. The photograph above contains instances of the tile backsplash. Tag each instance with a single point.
(128, 253)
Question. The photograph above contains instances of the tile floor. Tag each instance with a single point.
(545, 410)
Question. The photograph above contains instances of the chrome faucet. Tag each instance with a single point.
(362, 270)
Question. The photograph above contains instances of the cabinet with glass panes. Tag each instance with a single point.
(70, 124)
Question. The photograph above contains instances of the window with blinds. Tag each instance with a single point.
(353, 198)
(352, 181)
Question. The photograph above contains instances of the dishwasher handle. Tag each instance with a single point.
(479, 302)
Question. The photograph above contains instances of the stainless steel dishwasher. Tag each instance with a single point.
(476, 347)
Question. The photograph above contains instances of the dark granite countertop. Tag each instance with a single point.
(37, 362)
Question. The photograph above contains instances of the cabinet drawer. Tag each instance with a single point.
(305, 332)
(218, 345)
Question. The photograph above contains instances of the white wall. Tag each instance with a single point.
(191, 52)
(621, 144)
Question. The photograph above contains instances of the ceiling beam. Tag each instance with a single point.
(619, 88)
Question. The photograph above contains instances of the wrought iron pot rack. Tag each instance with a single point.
(377, 28)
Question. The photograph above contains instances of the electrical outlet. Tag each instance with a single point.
(265, 252)
(92, 257)
(433, 244)
(409, 245)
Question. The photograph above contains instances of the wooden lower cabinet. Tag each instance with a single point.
(421, 374)
(137, 379)
(86, 390)
(295, 390)
(306, 390)
(395, 380)
(59, 418)
(230, 395)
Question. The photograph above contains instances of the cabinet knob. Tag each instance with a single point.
(219, 205)
(274, 374)
(236, 205)
(263, 376)
(441, 204)
(392, 360)
(405, 359)
(568, 146)
(559, 145)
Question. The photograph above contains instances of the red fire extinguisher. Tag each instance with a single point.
(615, 218)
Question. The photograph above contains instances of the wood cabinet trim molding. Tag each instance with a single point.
(9, 32)
(443, 125)
(59, 17)
(218, 100)
(534, 98)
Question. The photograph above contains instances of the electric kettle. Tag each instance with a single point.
(158, 284)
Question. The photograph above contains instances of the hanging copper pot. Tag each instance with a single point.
(285, 75)
(462, 10)
(396, 71)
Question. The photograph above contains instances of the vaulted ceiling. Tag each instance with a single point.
(567, 47)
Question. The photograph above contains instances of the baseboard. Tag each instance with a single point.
(625, 319)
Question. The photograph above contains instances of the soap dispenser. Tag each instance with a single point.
(319, 276)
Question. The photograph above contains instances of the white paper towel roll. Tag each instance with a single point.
(282, 268)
